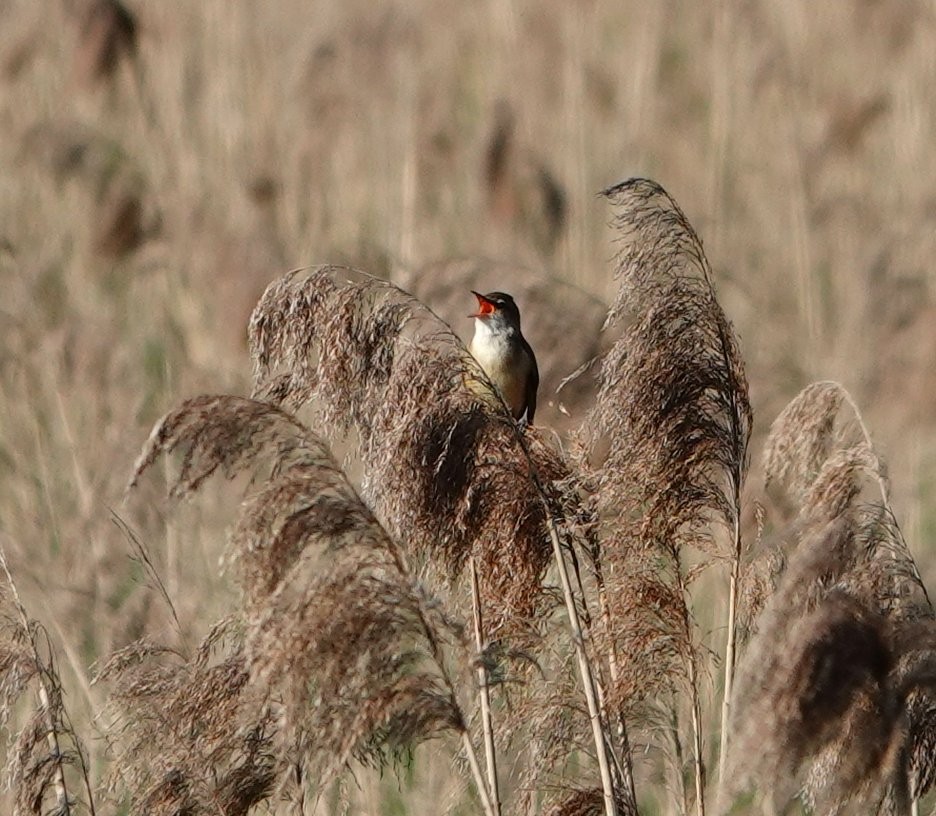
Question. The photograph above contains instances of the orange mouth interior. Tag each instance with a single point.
(485, 307)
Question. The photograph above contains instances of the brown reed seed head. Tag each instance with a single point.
(444, 467)
(828, 665)
(914, 677)
(339, 641)
(33, 767)
(300, 492)
(802, 436)
(824, 673)
(673, 401)
(188, 735)
(346, 650)
(45, 750)
(758, 578)
(547, 724)
(674, 418)
(455, 484)
(886, 576)
(226, 433)
(818, 453)
(840, 666)
(825, 467)
(18, 666)
(587, 802)
(767, 672)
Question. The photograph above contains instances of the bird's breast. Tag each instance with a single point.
(507, 367)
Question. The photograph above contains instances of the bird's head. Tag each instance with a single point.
(497, 310)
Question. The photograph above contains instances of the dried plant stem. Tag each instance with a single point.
(730, 648)
(588, 679)
(486, 724)
(680, 804)
(697, 739)
(627, 766)
(476, 773)
(435, 650)
(878, 476)
(695, 709)
(61, 790)
(695, 706)
(578, 640)
(740, 440)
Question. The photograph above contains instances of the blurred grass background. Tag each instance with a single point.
(151, 186)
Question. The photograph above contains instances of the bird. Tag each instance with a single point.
(504, 354)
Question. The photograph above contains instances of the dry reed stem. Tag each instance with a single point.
(599, 727)
(490, 754)
(547, 724)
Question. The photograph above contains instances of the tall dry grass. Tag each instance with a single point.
(351, 643)
(156, 176)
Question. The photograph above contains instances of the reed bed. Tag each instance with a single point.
(343, 580)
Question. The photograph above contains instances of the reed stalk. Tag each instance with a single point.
(487, 726)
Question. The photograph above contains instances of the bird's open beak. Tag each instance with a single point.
(485, 307)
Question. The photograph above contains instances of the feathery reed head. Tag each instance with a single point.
(670, 427)
(586, 802)
(833, 669)
(188, 735)
(818, 454)
(914, 678)
(46, 761)
(801, 436)
(832, 659)
(673, 402)
(445, 466)
(339, 641)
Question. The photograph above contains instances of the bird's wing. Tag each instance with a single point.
(532, 387)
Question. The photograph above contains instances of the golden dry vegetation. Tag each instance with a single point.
(161, 164)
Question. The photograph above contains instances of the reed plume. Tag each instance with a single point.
(802, 437)
(837, 677)
(344, 655)
(668, 439)
(187, 734)
(443, 465)
(584, 802)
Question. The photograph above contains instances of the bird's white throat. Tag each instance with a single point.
(491, 341)
(492, 328)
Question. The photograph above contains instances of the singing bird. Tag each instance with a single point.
(504, 354)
